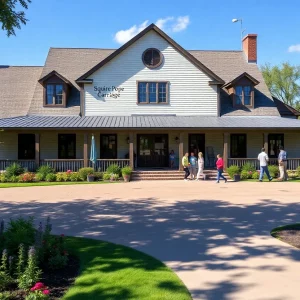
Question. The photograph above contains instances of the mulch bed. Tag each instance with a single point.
(57, 281)
(290, 235)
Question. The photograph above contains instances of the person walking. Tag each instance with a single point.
(263, 161)
(200, 166)
(185, 164)
(282, 161)
(220, 167)
(193, 164)
(172, 159)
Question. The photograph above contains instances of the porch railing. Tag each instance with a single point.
(62, 165)
(292, 163)
(102, 164)
(26, 164)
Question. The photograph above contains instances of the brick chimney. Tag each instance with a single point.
(250, 47)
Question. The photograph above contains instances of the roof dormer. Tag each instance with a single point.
(241, 90)
(56, 89)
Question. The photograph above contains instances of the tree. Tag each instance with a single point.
(283, 82)
(10, 18)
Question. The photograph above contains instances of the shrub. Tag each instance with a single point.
(27, 177)
(14, 179)
(246, 175)
(298, 171)
(98, 175)
(5, 282)
(255, 175)
(273, 170)
(84, 172)
(39, 177)
(14, 170)
(106, 176)
(75, 177)
(292, 174)
(7, 295)
(233, 170)
(60, 177)
(114, 169)
(19, 231)
(50, 177)
(126, 170)
(114, 177)
(44, 170)
(248, 167)
(3, 178)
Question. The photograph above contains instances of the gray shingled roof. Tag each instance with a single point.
(141, 122)
(17, 85)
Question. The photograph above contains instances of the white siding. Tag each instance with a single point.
(255, 141)
(292, 144)
(8, 145)
(190, 93)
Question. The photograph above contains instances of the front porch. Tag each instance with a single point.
(69, 150)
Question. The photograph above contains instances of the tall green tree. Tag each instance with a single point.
(284, 82)
(10, 18)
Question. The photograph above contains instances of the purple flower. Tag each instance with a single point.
(31, 251)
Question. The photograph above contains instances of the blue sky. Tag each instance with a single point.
(194, 24)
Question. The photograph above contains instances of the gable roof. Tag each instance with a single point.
(54, 73)
(285, 109)
(16, 89)
(216, 79)
(245, 74)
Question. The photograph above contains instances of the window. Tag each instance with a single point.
(152, 58)
(108, 146)
(54, 94)
(275, 141)
(238, 146)
(152, 92)
(243, 95)
(26, 146)
(66, 146)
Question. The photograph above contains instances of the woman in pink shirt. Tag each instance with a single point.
(220, 166)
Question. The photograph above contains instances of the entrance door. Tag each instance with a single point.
(108, 146)
(152, 150)
(197, 144)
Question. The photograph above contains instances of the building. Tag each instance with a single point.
(141, 101)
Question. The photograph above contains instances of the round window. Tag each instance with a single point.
(152, 58)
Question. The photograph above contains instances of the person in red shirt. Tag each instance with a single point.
(220, 167)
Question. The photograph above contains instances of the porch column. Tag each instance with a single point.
(180, 150)
(225, 150)
(131, 150)
(266, 142)
(85, 150)
(37, 150)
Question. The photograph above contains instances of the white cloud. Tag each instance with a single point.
(160, 23)
(124, 36)
(294, 48)
(168, 24)
(181, 23)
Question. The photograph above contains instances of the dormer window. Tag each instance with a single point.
(54, 94)
(241, 90)
(56, 89)
(243, 95)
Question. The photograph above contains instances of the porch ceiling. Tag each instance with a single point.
(153, 121)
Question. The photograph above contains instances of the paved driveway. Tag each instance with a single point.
(214, 236)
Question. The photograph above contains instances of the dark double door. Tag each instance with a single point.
(152, 151)
(197, 144)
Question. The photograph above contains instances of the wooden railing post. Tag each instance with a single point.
(180, 150)
(266, 142)
(131, 150)
(225, 150)
(85, 151)
(37, 150)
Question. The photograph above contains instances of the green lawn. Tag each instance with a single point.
(274, 180)
(277, 230)
(43, 183)
(113, 272)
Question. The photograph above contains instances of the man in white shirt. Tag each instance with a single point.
(263, 161)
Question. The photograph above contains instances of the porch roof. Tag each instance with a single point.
(147, 121)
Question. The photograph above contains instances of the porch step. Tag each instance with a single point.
(169, 175)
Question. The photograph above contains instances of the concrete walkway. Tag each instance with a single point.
(214, 236)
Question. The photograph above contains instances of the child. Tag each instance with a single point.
(193, 162)
(220, 166)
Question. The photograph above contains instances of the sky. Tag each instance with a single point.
(194, 24)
